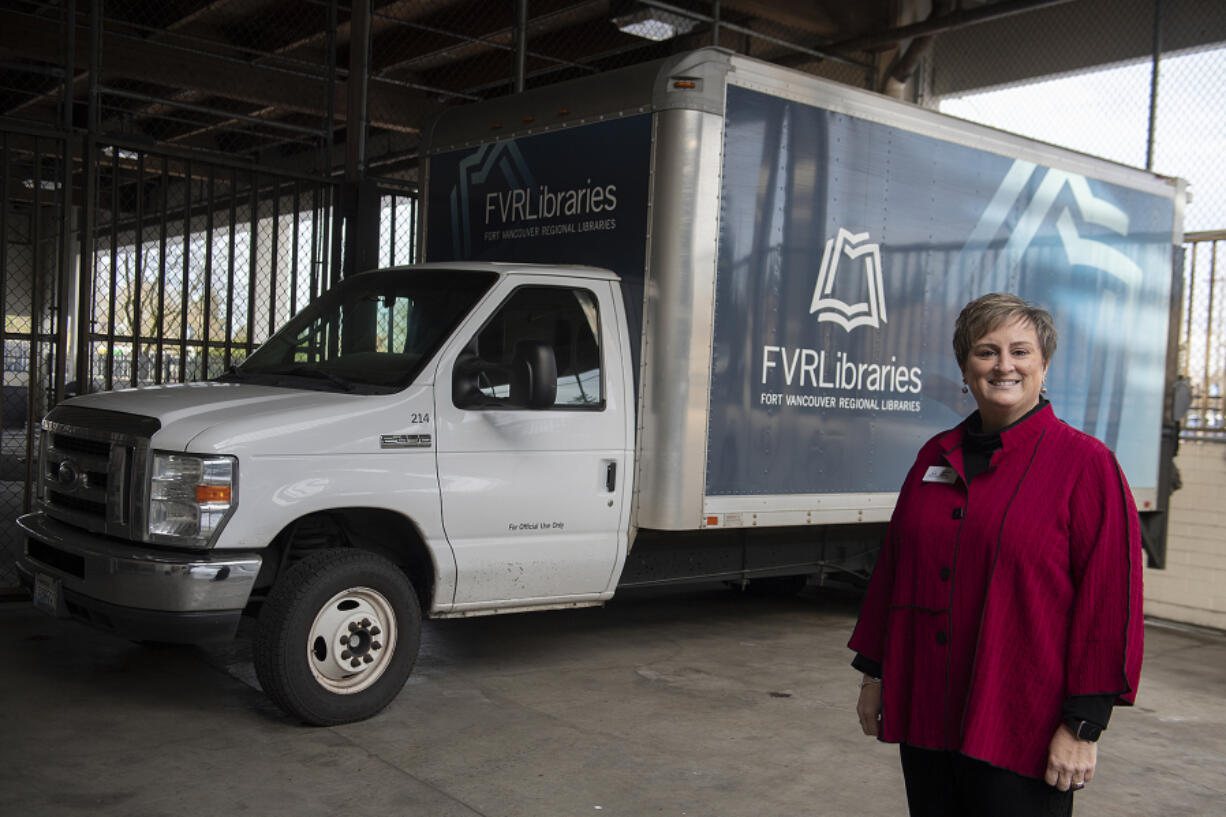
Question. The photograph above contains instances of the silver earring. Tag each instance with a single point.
(1043, 387)
(965, 388)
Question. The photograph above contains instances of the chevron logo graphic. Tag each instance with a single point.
(1009, 205)
(500, 159)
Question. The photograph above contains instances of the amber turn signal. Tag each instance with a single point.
(212, 493)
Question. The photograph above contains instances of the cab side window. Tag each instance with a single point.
(534, 323)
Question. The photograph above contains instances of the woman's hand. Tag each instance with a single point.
(869, 707)
(1070, 761)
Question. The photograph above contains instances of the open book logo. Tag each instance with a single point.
(869, 312)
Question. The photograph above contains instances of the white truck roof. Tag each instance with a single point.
(507, 268)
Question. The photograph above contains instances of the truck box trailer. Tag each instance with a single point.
(688, 321)
(792, 254)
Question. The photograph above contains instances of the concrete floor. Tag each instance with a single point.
(687, 702)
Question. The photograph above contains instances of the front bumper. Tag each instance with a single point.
(138, 592)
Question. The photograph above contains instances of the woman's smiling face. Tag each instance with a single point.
(1005, 372)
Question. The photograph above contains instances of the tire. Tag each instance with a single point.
(337, 637)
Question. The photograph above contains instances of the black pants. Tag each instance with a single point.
(948, 784)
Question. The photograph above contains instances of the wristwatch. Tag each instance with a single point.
(1084, 730)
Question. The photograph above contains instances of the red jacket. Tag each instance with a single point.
(988, 607)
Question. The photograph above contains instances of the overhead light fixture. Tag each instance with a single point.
(654, 24)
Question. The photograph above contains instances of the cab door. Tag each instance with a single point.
(534, 496)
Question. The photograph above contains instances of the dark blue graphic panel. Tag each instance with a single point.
(846, 250)
(575, 196)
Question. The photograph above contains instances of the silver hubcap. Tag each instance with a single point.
(352, 640)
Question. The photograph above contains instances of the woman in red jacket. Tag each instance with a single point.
(1003, 620)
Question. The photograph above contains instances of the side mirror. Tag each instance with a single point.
(534, 375)
(465, 392)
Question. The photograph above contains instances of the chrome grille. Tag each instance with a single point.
(81, 445)
(92, 465)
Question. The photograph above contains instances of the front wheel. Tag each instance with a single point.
(337, 637)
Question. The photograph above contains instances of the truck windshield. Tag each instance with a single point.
(372, 333)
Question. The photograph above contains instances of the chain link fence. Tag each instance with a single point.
(194, 264)
(1122, 103)
(190, 265)
(31, 257)
(1202, 341)
(397, 230)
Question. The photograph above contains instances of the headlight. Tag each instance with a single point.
(189, 497)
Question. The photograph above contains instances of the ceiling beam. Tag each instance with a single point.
(959, 18)
(392, 106)
(808, 16)
(579, 45)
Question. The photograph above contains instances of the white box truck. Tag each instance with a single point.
(723, 337)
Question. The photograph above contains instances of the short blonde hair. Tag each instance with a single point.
(994, 310)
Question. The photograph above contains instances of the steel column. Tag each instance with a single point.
(1153, 87)
(521, 43)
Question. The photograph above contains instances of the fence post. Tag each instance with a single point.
(1153, 86)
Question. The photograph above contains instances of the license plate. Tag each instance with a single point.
(47, 593)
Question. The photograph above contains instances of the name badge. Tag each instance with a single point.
(936, 473)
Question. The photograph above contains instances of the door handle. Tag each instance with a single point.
(610, 477)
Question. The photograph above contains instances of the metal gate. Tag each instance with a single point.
(33, 258)
(167, 267)
(193, 263)
(1202, 339)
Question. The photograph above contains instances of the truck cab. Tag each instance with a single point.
(462, 431)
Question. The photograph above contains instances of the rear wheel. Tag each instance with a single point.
(337, 637)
